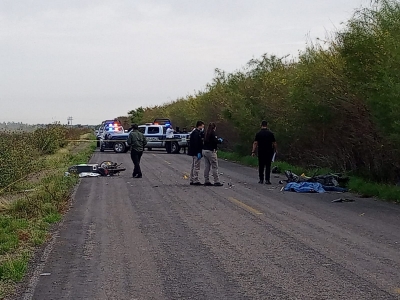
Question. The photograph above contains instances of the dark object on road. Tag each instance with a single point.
(343, 200)
(106, 168)
(329, 182)
(325, 180)
(276, 170)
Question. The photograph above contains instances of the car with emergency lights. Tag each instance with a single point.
(155, 134)
(114, 137)
(102, 128)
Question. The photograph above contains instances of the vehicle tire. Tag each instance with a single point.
(149, 149)
(175, 148)
(119, 147)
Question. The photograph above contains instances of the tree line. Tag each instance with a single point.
(336, 105)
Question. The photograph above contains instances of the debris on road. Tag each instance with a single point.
(45, 274)
(343, 200)
(275, 170)
(316, 183)
(325, 180)
(106, 168)
(87, 174)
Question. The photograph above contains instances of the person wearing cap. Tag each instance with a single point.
(267, 147)
(137, 141)
(169, 135)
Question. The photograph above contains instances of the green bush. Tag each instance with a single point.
(22, 153)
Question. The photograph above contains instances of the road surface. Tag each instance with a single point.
(159, 238)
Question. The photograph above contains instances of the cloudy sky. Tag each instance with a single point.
(97, 59)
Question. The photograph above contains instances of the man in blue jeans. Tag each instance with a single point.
(137, 141)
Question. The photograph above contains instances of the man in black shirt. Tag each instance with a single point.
(195, 151)
(266, 144)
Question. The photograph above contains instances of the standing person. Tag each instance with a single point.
(211, 142)
(195, 151)
(137, 141)
(267, 146)
(169, 135)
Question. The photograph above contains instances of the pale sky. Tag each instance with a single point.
(97, 59)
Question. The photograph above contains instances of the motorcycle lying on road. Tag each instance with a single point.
(106, 168)
(332, 180)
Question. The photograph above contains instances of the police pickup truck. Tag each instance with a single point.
(113, 137)
(155, 134)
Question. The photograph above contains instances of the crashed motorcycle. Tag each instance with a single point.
(106, 168)
(328, 180)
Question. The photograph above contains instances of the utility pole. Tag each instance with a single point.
(70, 121)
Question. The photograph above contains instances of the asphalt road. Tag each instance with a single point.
(159, 238)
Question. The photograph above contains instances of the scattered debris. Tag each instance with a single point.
(275, 170)
(332, 180)
(106, 168)
(87, 174)
(45, 274)
(343, 200)
(316, 183)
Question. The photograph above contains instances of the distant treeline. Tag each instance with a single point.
(336, 105)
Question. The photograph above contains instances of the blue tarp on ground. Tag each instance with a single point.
(311, 187)
(305, 187)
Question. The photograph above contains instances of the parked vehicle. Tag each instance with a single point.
(156, 137)
(107, 126)
(114, 137)
(114, 140)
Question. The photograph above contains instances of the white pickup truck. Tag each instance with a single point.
(156, 137)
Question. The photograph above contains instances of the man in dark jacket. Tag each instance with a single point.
(137, 141)
(195, 151)
(267, 147)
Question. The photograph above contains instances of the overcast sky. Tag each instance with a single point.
(96, 59)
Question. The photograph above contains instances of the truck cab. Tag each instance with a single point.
(155, 134)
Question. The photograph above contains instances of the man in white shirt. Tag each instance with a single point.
(169, 135)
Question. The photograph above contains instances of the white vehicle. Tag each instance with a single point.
(156, 137)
